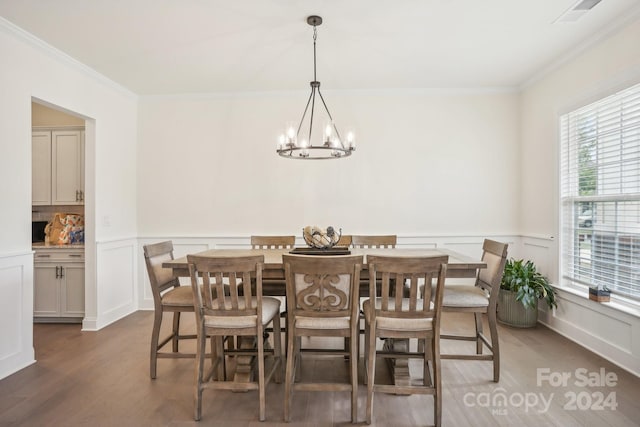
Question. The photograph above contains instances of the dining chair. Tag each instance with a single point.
(480, 298)
(168, 296)
(273, 286)
(235, 311)
(344, 241)
(273, 242)
(402, 312)
(372, 241)
(322, 300)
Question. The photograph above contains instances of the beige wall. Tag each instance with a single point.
(599, 71)
(427, 162)
(45, 116)
(612, 329)
(111, 134)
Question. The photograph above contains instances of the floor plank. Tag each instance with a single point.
(102, 379)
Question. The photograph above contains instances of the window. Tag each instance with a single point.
(600, 193)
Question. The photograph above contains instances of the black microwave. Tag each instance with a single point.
(37, 231)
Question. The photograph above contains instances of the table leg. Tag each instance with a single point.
(399, 367)
(245, 364)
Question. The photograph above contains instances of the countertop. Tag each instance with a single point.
(43, 245)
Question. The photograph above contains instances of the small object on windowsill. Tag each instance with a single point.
(599, 293)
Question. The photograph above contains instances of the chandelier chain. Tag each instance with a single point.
(315, 36)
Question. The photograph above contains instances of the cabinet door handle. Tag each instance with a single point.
(43, 256)
(75, 255)
(61, 272)
(81, 196)
(77, 195)
(57, 272)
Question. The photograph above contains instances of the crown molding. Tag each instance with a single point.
(615, 26)
(58, 55)
(436, 91)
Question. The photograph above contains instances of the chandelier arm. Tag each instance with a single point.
(305, 113)
(331, 118)
(313, 106)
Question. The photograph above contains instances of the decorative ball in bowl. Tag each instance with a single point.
(321, 238)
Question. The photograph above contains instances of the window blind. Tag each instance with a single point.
(600, 193)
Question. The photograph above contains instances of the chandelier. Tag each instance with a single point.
(294, 145)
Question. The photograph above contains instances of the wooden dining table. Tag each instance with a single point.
(459, 266)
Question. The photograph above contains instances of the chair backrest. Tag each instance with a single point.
(494, 254)
(159, 277)
(273, 242)
(344, 241)
(323, 286)
(387, 241)
(229, 279)
(400, 280)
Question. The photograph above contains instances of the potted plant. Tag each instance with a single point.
(521, 288)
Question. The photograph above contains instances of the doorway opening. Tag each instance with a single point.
(62, 214)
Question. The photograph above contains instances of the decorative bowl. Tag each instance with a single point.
(321, 238)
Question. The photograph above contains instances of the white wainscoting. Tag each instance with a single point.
(116, 280)
(16, 312)
(600, 327)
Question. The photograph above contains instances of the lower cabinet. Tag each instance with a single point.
(58, 279)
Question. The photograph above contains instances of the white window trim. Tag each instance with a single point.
(624, 303)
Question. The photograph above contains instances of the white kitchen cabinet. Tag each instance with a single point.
(65, 169)
(46, 291)
(58, 292)
(41, 168)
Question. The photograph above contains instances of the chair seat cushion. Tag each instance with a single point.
(394, 323)
(303, 322)
(270, 309)
(464, 296)
(181, 296)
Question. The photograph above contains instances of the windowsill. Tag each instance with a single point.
(617, 303)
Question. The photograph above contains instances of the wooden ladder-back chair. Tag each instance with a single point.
(168, 296)
(370, 241)
(271, 286)
(273, 242)
(235, 311)
(274, 286)
(322, 300)
(479, 299)
(344, 241)
(382, 241)
(400, 312)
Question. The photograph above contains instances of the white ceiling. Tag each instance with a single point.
(206, 46)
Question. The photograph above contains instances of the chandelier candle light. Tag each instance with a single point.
(332, 146)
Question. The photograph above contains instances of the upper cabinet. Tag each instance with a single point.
(58, 167)
(41, 168)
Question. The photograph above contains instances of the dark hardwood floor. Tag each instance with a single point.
(102, 379)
